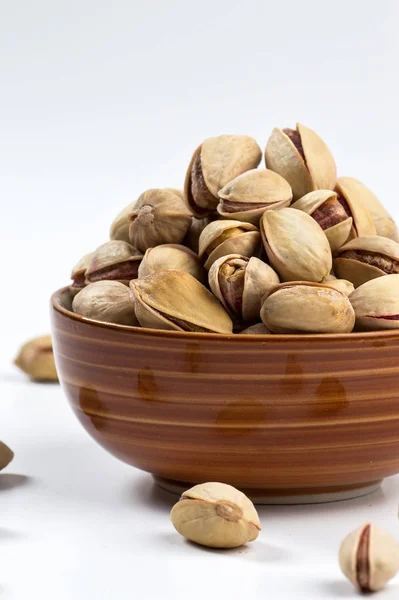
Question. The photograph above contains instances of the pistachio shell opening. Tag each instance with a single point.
(114, 260)
(220, 238)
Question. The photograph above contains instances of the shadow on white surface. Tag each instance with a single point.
(338, 589)
(257, 552)
(146, 492)
(10, 535)
(9, 481)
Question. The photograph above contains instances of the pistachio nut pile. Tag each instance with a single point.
(289, 248)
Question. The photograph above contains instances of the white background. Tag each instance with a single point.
(99, 101)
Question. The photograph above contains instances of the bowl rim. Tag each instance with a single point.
(251, 337)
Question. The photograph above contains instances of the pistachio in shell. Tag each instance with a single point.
(376, 303)
(350, 195)
(304, 307)
(171, 257)
(79, 273)
(191, 239)
(175, 300)
(240, 283)
(109, 301)
(330, 212)
(366, 258)
(215, 162)
(120, 225)
(6, 455)
(115, 260)
(296, 246)
(220, 238)
(159, 217)
(246, 197)
(302, 158)
(216, 515)
(342, 285)
(36, 359)
(257, 329)
(384, 224)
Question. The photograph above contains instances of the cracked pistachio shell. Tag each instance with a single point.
(114, 260)
(376, 303)
(384, 224)
(303, 307)
(108, 301)
(215, 162)
(159, 217)
(296, 245)
(369, 558)
(220, 238)
(197, 226)
(120, 225)
(240, 283)
(216, 515)
(171, 256)
(79, 272)
(326, 210)
(348, 191)
(175, 300)
(36, 359)
(302, 158)
(6, 455)
(366, 258)
(257, 329)
(248, 196)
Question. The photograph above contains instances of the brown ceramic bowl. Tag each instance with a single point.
(286, 418)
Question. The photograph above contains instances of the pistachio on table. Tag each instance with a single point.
(115, 260)
(351, 198)
(296, 245)
(369, 558)
(246, 197)
(304, 307)
(240, 283)
(216, 515)
(79, 273)
(220, 238)
(376, 303)
(215, 162)
(366, 258)
(109, 301)
(175, 300)
(6, 455)
(36, 359)
(171, 257)
(302, 158)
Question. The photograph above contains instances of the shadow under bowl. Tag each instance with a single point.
(285, 418)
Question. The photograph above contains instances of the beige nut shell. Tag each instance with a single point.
(171, 257)
(247, 243)
(108, 301)
(36, 359)
(376, 303)
(363, 224)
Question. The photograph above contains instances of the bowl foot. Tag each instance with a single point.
(287, 496)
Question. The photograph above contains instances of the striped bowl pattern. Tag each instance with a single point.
(285, 418)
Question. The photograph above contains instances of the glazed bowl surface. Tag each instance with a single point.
(285, 418)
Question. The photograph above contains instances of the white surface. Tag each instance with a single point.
(99, 101)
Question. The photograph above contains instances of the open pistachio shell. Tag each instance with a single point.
(120, 225)
(384, 224)
(304, 307)
(376, 303)
(215, 162)
(159, 217)
(220, 238)
(366, 258)
(79, 272)
(114, 260)
(176, 300)
(296, 245)
(348, 191)
(240, 284)
(171, 256)
(248, 196)
(302, 158)
(109, 301)
(197, 226)
(329, 213)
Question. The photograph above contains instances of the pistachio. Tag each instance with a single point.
(240, 284)
(79, 272)
(109, 301)
(330, 212)
(159, 217)
(120, 226)
(376, 303)
(296, 245)
(215, 162)
(197, 226)
(220, 238)
(257, 329)
(303, 307)
(369, 558)
(302, 158)
(36, 359)
(171, 256)
(342, 285)
(177, 301)
(114, 260)
(216, 515)
(350, 195)
(6, 455)
(384, 224)
(248, 196)
(366, 258)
